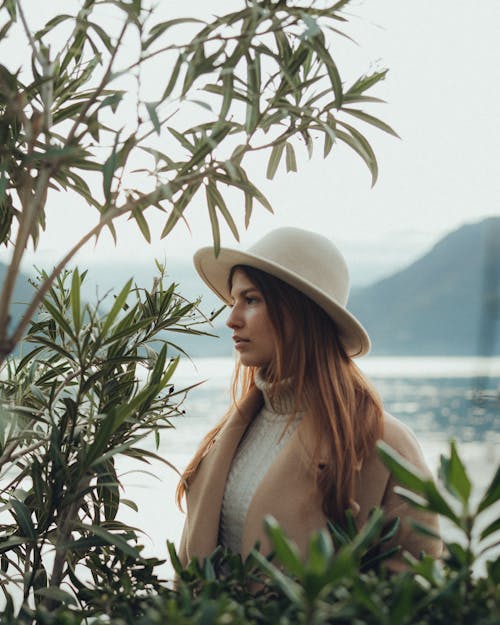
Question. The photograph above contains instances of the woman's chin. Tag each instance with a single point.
(247, 361)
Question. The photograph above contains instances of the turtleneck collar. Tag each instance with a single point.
(283, 397)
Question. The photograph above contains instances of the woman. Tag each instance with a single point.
(299, 442)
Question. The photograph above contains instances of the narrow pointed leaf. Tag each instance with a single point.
(75, 300)
(57, 594)
(58, 318)
(153, 116)
(113, 539)
(362, 148)
(218, 201)
(212, 213)
(274, 160)
(291, 162)
(405, 473)
(142, 223)
(455, 476)
(374, 121)
(117, 307)
(492, 494)
(23, 518)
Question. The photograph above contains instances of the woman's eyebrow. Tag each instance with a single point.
(245, 291)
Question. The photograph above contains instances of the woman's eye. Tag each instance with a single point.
(250, 300)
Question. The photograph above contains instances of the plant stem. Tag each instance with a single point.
(29, 214)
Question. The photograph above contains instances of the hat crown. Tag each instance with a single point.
(311, 256)
(307, 261)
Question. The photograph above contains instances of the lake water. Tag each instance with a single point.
(439, 398)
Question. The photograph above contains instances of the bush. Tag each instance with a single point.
(340, 582)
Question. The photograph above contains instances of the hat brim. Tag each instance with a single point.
(214, 271)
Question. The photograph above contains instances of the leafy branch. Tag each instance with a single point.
(262, 78)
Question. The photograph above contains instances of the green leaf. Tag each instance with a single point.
(179, 207)
(431, 500)
(143, 454)
(372, 528)
(56, 594)
(329, 128)
(158, 370)
(365, 82)
(75, 300)
(290, 588)
(426, 530)
(227, 91)
(492, 494)
(116, 308)
(404, 472)
(23, 517)
(370, 119)
(274, 160)
(253, 95)
(328, 144)
(58, 318)
(218, 200)
(173, 78)
(182, 140)
(52, 23)
(141, 221)
(214, 223)
(112, 101)
(153, 115)
(12, 541)
(286, 551)
(454, 475)
(54, 347)
(103, 36)
(11, 7)
(360, 145)
(247, 187)
(160, 29)
(113, 539)
(108, 170)
(320, 552)
(331, 68)
(493, 527)
(458, 553)
(291, 162)
(248, 208)
(174, 558)
(130, 504)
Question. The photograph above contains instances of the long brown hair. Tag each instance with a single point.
(345, 413)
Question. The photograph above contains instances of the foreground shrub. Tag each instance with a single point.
(342, 581)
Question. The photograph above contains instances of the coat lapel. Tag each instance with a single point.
(288, 493)
(204, 498)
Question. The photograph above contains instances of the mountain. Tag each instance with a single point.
(445, 303)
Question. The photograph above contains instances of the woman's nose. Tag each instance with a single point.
(234, 319)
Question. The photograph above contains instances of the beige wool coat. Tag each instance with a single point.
(288, 492)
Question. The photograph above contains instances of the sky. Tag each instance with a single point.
(443, 98)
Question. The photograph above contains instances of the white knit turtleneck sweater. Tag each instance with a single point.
(256, 452)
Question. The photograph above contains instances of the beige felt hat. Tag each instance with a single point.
(309, 262)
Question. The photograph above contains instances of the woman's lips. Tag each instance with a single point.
(239, 342)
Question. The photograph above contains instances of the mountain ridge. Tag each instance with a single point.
(441, 303)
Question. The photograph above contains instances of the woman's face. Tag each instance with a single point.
(253, 333)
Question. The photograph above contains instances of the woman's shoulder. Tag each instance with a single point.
(402, 439)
